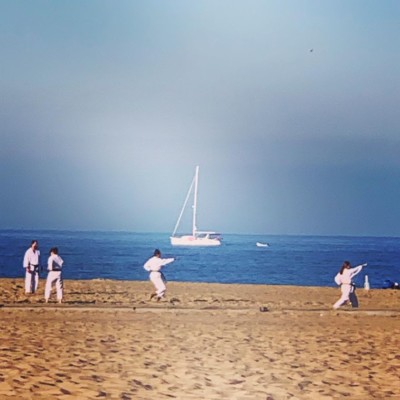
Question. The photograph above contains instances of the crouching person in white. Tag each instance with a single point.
(54, 266)
(154, 265)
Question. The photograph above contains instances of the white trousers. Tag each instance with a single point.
(158, 283)
(31, 281)
(54, 276)
(346, 290)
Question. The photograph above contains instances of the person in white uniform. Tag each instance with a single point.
(344, 279)
(54, 266)
(31, 265)
(154, 265)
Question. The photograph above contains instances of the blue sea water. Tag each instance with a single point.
(289, 260)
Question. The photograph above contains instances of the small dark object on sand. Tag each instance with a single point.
(264, 309)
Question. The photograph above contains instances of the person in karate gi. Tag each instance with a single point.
(347, 287)
(54, 266)
(31, 265)
(154, 265)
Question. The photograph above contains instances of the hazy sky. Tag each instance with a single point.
(291, 109)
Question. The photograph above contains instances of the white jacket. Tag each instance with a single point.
(55, 263)
(347, 275)
(31, 259)
(154, 264)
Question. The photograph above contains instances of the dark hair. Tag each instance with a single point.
(157, 252)
(54, 250)
(33, 242)
(346, 264)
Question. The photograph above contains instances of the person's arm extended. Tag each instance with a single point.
(166, 261)
(356, 270)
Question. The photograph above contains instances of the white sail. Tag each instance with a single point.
(197, 238)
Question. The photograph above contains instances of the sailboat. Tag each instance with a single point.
(197, 238)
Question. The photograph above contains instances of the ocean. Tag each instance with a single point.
(289, 260)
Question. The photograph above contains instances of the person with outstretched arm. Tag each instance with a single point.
(344, 279)
(154, 266)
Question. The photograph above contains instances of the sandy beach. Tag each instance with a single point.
(204, 341)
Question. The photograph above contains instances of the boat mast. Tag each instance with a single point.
(196, 179)
(184, 206)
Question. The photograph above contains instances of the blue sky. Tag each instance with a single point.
(107, 107)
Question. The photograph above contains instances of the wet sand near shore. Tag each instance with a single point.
(204, 341)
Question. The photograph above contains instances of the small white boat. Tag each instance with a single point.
(197, 238)
(259, 244)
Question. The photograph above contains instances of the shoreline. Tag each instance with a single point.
(204, 341)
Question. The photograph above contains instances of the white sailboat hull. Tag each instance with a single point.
(189, 240)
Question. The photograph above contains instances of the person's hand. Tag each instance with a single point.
(364, 265)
